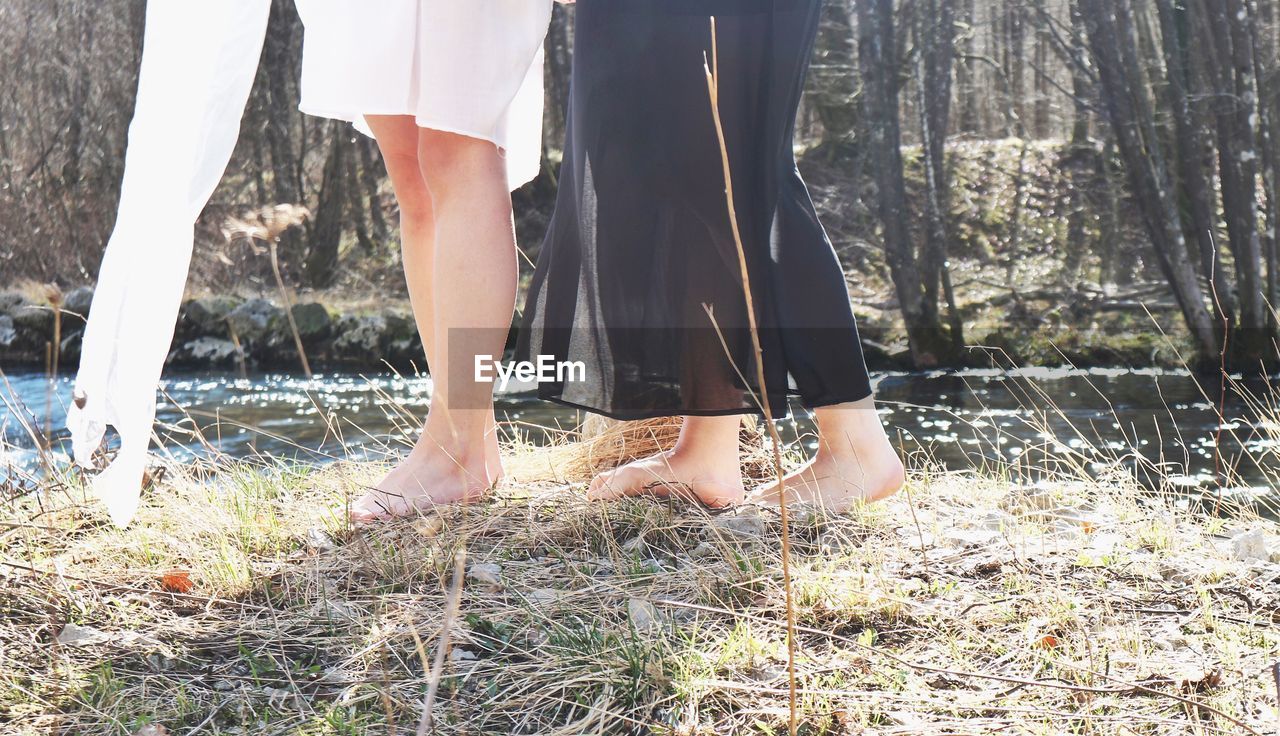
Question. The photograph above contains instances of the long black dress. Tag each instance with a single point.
(639, 278)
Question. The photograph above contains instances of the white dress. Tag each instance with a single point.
(446, 62)
(472, 67)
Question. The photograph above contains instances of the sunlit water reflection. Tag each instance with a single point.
(1160, 424)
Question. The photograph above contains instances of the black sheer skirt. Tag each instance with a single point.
(639, 277)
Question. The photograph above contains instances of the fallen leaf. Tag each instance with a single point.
(177, 581)
(1048, 641)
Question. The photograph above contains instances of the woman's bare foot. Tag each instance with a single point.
(493, 453)
(838, 484)
(855, 463)
(703, 466)
(672, 473)
(430, 476)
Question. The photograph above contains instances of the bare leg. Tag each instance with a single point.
(855, 462)
(435, 175)
(703, 464)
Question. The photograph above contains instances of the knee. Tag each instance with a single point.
(412, 195)
(449, 160)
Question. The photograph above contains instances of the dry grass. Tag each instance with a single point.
(973, 605)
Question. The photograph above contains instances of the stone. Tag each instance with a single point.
(361, 336)
(1252, 545)
(10, 301)
(75, 635)
(31, 318)
(458, 654)
(543, 597)
(745, 523)
(643, 615)
(205, 351)
(313, 320)
(8, 335)
(486, 574)
(254, 319)
(703, 550)
(78, 301)
(208, 312)
(70, 347)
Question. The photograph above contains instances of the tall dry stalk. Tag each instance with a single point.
(52, 357)
(267, 225)
(288, 308)
(425, 724)
(712, 71)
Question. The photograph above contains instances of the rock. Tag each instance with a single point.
(152, 729)
(704, 549)
(643, 615)
(486, 574)
(254, 319)
(402, 343)
(31, 318)
(1029, 500)
(208, 312)
(1253, 545)
(458, 654)
(313, 320)
(362, 337)
(78, 301)
(69, 350)
(10, 301)
(543, 597)
(319, 540)
(75, 635)
(206, 351)
(967, 536)
(8, 335)
(745, 522)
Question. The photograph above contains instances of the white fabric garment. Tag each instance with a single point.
(473, 68)
(198, 65)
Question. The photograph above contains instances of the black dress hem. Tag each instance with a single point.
(641, 415)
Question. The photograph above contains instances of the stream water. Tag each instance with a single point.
(1163, 425)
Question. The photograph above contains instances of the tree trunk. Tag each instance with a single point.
(879, 64)
(1112, 40)
(1192, 151)
(935, 41)
(326, 232)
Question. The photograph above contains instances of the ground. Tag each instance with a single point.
(240, 602)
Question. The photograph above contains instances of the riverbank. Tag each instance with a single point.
(233, 332)
(240, 602)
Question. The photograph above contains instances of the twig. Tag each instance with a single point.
(288, 308)
(712, 71)
(1275, 675)
(450, 613)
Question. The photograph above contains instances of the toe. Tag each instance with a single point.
(604, 487)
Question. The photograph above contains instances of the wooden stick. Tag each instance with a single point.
(713, 88)
(425, 724)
